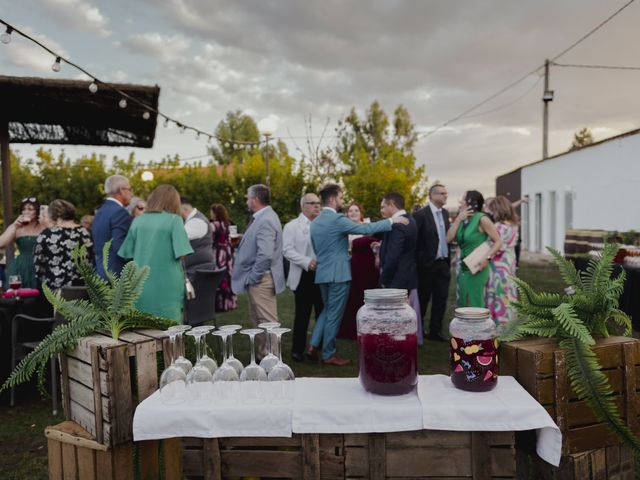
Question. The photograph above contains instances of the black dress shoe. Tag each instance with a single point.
(297, 357)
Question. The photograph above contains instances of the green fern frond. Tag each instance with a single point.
(105, 263)
(622, 319)
(530, 298)
(128, 288)
(571, 324)
(540, 331)
(99, 290)
(567, 269)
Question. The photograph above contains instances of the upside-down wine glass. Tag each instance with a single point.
(231, 360)
(172, 380)
(281, 371)
(205, 359)
(225, 372)
(253, 371)
(199, 377)
(269, 360)
(181, 360)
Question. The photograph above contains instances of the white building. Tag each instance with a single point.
(594, 188)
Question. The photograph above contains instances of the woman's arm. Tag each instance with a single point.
(488, 227)
(453, 228)
(10, 233)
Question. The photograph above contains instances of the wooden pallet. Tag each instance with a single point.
(103, 380)
(539, 366)
(426, 454)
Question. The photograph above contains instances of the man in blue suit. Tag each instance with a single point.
(329, 237)
(112, 222)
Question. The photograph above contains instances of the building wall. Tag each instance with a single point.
(510, 186)
(595, 188)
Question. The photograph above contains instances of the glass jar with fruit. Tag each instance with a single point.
(387, 342)
(473, 350)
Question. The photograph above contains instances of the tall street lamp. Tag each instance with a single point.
(266, 126)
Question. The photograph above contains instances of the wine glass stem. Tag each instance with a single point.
(172, 350)
(230, 349)
(198, 339)
(279, 347)
(181, 344)
(224, 348)
(268, 341)
(253, 352)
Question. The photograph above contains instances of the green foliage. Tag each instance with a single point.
(591, 302)
(582, 138)
(111, 307)
(236, 127)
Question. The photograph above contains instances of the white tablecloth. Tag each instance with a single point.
(341, 405)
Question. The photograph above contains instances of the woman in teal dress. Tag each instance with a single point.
(24, 232)
(158, 239)
(470, 229)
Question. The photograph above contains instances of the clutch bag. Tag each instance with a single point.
(475, 258)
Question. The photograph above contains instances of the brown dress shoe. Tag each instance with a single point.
(337, 361)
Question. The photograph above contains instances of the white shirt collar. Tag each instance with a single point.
(398, 213)
(114, 200)
(330, 208)
(434, 209)
(260, 212)
(191, 215)
(303, 219)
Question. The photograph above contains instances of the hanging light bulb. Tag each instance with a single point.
(93, 87)
(56, 65)
(182, 129)
(166, 122)
(146, 115)
(198, 136)
(122, 103)
(227, 144)
(6, 36)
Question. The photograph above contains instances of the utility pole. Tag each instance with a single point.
(547, 97)
(267, 136)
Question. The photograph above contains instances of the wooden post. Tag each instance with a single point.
(7, 200)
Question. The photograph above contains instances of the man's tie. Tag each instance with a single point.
(443, 248)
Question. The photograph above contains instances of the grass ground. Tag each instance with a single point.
(22, 444)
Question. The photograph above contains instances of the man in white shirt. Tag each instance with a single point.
(200, 236)
(296, 247)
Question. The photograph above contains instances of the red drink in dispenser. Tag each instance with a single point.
(387, 342)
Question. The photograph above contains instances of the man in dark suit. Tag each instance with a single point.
(433, 259)
(398, 250)
(112, 222)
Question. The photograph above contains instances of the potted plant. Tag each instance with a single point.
(580, 320)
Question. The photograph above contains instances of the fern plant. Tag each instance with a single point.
(110, 307)
(584, 312)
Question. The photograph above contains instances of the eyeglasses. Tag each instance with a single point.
(140, 207)
(127, 188)
(29, 199)
(312, 203)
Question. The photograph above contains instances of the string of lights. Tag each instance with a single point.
(602, 67)
(96, 84)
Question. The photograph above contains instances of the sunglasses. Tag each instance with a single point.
(29, 199)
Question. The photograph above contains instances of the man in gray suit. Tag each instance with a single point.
(258, 267)
(329, 237)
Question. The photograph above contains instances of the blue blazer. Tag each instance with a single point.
(330, 239)
(398, 256)
(111, 222)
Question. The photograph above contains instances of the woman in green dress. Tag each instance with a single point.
(470, 229)
(158, 239)
(24, 232)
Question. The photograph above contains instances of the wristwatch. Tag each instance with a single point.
(489, 258)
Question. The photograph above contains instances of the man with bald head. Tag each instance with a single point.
(112, 222)
(296, 247)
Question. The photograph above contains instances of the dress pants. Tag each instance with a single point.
(334, 297)
(433, 285)
(263, 307)
(307, 297)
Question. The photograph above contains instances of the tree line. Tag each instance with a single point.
(373, 154)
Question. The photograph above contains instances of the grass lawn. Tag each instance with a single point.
(22, 444)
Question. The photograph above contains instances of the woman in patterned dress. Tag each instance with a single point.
(225, 299)
(501, 289)
(52, 253)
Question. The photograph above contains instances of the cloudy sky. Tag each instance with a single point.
(286, 60)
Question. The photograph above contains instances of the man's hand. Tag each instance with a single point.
(312, 265)
(400, 219)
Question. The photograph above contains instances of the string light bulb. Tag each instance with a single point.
(56, 65)
(6, 36)
(93, 87)
(122, 103)
(146, 115)
(183, 129)
(197, 135)
(166, 123)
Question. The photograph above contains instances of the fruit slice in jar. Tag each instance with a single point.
(484, 361)
(458, 368)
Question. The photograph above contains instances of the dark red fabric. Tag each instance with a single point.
(364, 275)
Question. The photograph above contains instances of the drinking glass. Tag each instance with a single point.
(253, 371)
(281, 371)
(231, 360)
(205, 359)
(181, 361)
(15, 282)
(270, 360)
(173, 378)
(225, 372)
(199, 376)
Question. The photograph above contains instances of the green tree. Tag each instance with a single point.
(582, 138)
(236, 127)
(377, 157)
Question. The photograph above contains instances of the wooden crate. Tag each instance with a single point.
(608, 463)
(539, 366)
(74, 455)
(103, 380)
(419, 454)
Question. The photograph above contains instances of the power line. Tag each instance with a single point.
(603, 67)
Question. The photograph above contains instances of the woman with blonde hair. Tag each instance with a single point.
(157, 239)
(501, 290)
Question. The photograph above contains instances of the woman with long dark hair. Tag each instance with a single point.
(223, 255)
